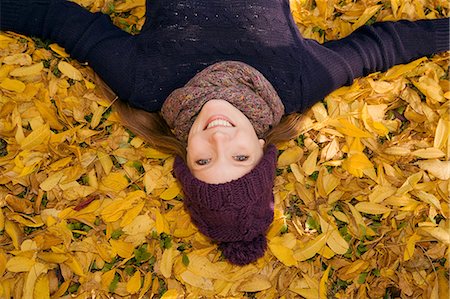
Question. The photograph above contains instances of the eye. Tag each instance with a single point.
(241, 158)
(202, 162)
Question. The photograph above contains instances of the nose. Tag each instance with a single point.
(219, 138)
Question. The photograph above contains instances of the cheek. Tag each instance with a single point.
(197, 147)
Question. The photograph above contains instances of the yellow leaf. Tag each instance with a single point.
(122, 248)
(128, 5)
(326, 252)
(197, 280)
(97, 116)
(369, 12)
(354, 269)
(442, 133)
(397, 151)
(114, 181)
(283, 254)
(105, 161)
(134, 284)
(308, 293)
(349, 129)
(62, 289)
(22, 59)
(326, 182)
(3, 261)
(256, 283)
(34, 69)
(380, 193)
(51, 257)
(340, 216)
(42, 288)
(410, 183)
(430, 88)
(289, 156)
(12, 85)
(401, 69)
(26, 220)
(371, 208)
(356, 163)
(358, 218)
(131, 214)
(59, 50)
(155, 154)
(167, 261)
(336, 242)
(20, 264)
(75, 266)
(429, 153)
(89, 84)
(171, 294)
(323, 284)
(443, 284)
(52, 181)
(429, 198)
(37, 137)
(147, 284)
(162, 226)
(35, 271)
(139, 229)
(171, 192)
(200, 265)
(49, 115)
(311, 248)
(107, 278)
(410, 245)
(310, 164)
(70, 71)
(14, 232)
(439, 233)
(439, 169)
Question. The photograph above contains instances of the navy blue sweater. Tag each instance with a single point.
(182, 37)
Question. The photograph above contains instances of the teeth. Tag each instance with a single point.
(219, 122)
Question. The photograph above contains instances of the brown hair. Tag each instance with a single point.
(151, 126)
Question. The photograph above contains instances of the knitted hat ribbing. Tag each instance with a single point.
(236, 214)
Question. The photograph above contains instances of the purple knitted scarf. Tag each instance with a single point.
(236, 82)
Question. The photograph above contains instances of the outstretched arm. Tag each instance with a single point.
(371, 49)
(87, 37)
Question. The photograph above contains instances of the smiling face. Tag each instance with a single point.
(222, 144)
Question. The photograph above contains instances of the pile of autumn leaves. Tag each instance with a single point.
(361, 196)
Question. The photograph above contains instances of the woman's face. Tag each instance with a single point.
(222, 144)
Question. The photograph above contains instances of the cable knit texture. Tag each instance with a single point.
(232, 81)
(182, 37)
(236, 214)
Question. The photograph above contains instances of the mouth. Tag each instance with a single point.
(218, 121)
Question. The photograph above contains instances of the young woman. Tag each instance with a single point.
(210, 80)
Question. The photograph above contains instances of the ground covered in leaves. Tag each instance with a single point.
(361, 196)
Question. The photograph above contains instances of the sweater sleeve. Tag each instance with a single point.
(87, 37)
(370, 49)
